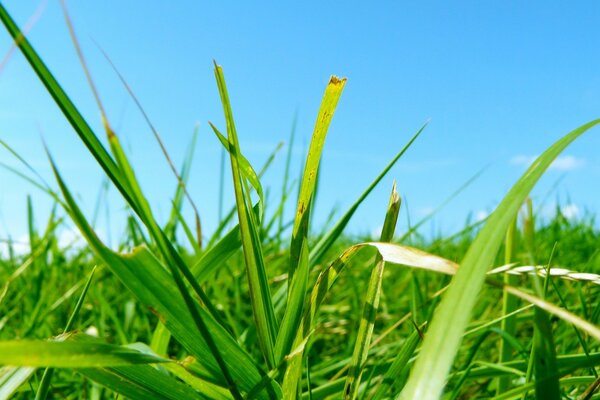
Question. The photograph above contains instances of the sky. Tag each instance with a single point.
(498, 82)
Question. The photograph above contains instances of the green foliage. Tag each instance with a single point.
(246, 316)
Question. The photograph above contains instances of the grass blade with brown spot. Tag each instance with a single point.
(299, 266)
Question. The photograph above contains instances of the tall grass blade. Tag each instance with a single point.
(299, 267)
(449, 322)
(260, 296)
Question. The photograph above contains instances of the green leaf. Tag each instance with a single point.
(260, 296)
(452, 315)
(140, 383)
(299, 267)
(396, 370)
(546, 370)
(371, 304)
(68, 354)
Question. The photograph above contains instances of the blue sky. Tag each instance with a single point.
(500, 81)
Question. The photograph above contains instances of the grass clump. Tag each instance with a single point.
(500, 310)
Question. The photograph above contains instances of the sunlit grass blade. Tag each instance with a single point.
(325, 242)
(299, 267)
(448, 325)
(371, 303)
(70, 354)
(260, 296)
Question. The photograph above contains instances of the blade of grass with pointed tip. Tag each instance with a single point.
(260, 296)
(452, 315)
(325, 243)
(299, 267)
(371, 303)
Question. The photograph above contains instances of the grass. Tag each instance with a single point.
(253, 314)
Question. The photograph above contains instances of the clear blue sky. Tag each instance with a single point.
(500, 82)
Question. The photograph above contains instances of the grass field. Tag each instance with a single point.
(268, 308)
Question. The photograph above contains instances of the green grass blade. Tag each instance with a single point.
(309, 178)
(260, 296)
(325, 242)
(399, 365)
(452, 315)
(299, 268)
(68, 354)
(509, 304)
(371, 304)
(546, 370)
(140, 383)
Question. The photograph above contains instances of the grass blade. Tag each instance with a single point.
(367, 322)
(260, 296)
(449, 322)
(70, 354)
(299, 267)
